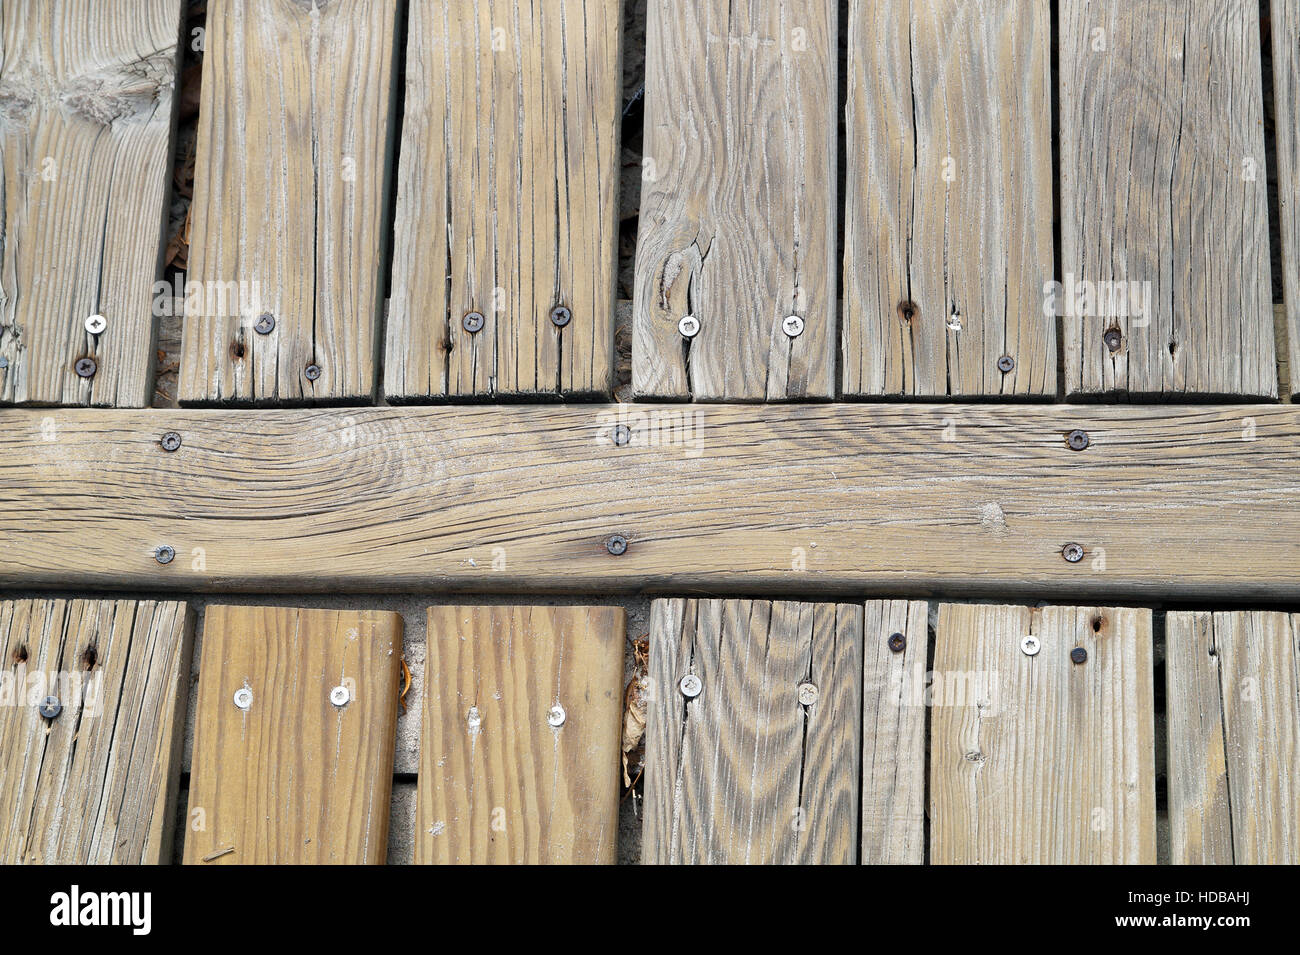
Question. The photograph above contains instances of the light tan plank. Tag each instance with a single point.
(289, 201)
(1234, 735)
(1037, 758)
(507, 203)
(737, 222)
(948, 205)
(500, 781)
(748, 770)
(1163, 183)
(86, 108)
(96, 783)
(293, 778)
(1284, 22)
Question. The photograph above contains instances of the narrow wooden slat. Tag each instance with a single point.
(708, 496)
(948, 206)
(86, 106)
(747, 771)
(499, 781)
(294, 778)
(289, 201)
(1234, 735)
(507, 200)
(1037, 758)
(1285, 25)
(1163, 184)
(96, 783)
(738, 216)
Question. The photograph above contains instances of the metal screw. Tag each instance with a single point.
(689, 326)
(1072, 552)
(49, 707)
(560, 316)
(96, 324)
(1006, 363)
(897, 642)
(312, 372)
(1113, 339)
(792, 326)
(170, 441)
(556, 716)
(691, 686)
(165, 554)
(472, 322)
(340, 695)
(808, 693)
(243, 698)
(1079, 655)
(622, 434)
(1077, 440)
(1030, 646)
(616, 545)
(265, 324)
(85, 367)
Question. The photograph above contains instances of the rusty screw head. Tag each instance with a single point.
(50, 707)
(1079, 655)
(1006, 363)
(311, 372)
(165, 554)
(1072, 552)
(96, 324)
(561, 316)
(1113, 339)
(616, 545)
(622, 435)
(265, 324)
(897, 642)
(472, 322)
(1077, 440)
(85, 367)
(170, 441)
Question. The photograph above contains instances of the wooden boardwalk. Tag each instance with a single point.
(948, 513)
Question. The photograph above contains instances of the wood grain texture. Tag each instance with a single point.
(96, 784)
(893, 738)
(498, 783)
(1234, 737)
(1163, 183)
(1038, 759)
(948, 206)
(293, 779)
(745, 772)
(86, 114)
(738, 201)
(1285, 26)
(710, 496)
(289, 205)
(507, 201)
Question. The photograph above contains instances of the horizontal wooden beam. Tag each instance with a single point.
(854, 499)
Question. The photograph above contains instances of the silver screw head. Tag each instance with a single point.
(556, 715)
(561, 316)
(689, 326)
(1030, 646)
(243, 698)
(311, 372)
(340, 695)
(96, 324)
(1006, 363)
(472, 322)
(691, 686)
(265, 324)
(1072, 552)
(792, 326)
(165, 554)
(50, 707)
(808, 693)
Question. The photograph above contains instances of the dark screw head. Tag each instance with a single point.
(1006, 363)
(622, 434)
(472, 322)
(85, 367)
(1077, 440)
(616, 545)
(1072, 552)
(1113, 339)
(897, 642)
(312, 372)
(165, 554)
(265, 324)
(50, 707)
(170, 441)
(1079, 655)
(560, 316)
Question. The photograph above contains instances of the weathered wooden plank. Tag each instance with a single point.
(1285, 24)
(86, 110)
(507, 201)
(708, 496)
(289, 202)
(1036, 757)
(948, 206)
(1234, 737)
(505, 776)
(293, 776)
(737, 223)
(96, 781)
(1164, 196)
(761, 764)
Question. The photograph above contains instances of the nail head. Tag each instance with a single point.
(1072, 552)
(312, 372)
(1079, 655)
(165, 554)
(808, 693)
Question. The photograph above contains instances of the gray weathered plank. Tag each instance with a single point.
(1285, 24)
